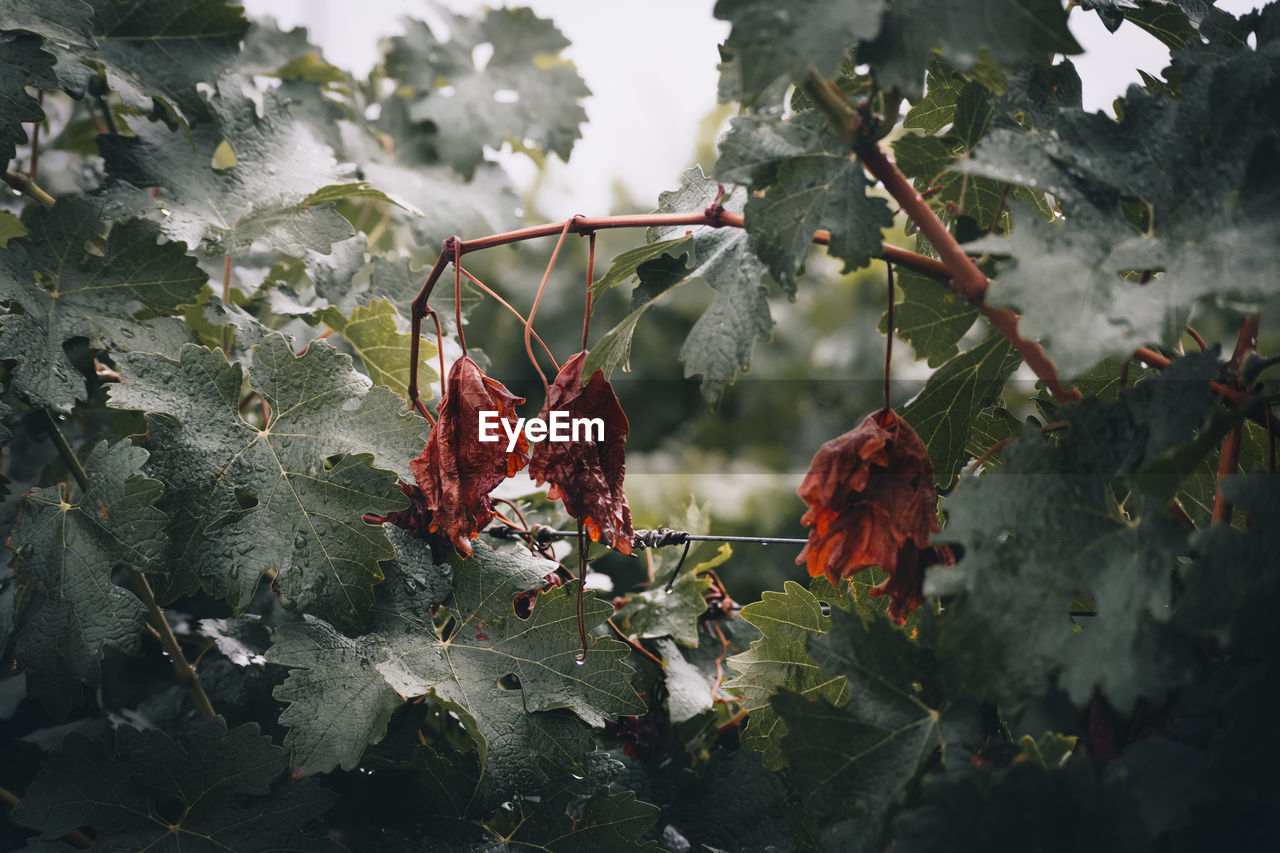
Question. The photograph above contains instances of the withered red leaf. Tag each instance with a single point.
(456, 470)
(587, 474)
(872, 502)
(418, 519)
(905, 587)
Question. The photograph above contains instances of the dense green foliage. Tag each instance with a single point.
(205, 356)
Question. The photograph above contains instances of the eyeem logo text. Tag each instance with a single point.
(558, 427)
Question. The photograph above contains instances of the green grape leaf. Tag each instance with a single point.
(1037, 93)
(734, 804)
(1174, 23)
(338, 702)
(973, 114)
(810, 181)
(942, 413)
(931, 317)
(914, 32)
(780, 659)
(1019, 578)
(337, 278)
(771, 41)
(1143, 193)
(289, 497)
(937, 108)
(198, 38)
(1230, 589)
(614, 348)
(66, 21)
(358, 702)
(374, 334)
(925, 158)
(513, 682)
(525, 92)
(11, 228)
(688, 687)
(352, 190)
(774, 40)
(571, 812)
(67, 549)
(611, 821)
(654, 612)
(22, 64)
(720, 342)
(66, 291)
(628, 265)
(264, 194)
(482, 202)
(225, 788)
(994, 808)
(1196, 492)
(989, 428)
(977, 204)
(854, 758)
(656, 276)
(270, 51)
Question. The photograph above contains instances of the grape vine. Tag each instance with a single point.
(273, 586)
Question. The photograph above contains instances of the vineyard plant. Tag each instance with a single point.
(271, 589)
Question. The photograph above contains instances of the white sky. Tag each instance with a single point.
(651, 66)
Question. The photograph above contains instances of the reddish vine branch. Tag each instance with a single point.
(1233, 396)
(1228, 462)
(713, 216)
(963, 274)
(1229, 456)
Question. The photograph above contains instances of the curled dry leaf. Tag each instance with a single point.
(418, 519)
(872, 502)
(587, 474)
(456, 471)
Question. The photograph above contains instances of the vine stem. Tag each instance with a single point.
(713, 217)
(28, 187)
(227, 334)
(505, 304)
(584, 548)
(1229, 456)
(642, 543)
(457, 300)
(965, 277)
(75, 837)
(586, 312)
(1234, 396)
(888, 345)
(733, 722)
(528, 330)
(1228, 462)
(635, 645)
(182, 669)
